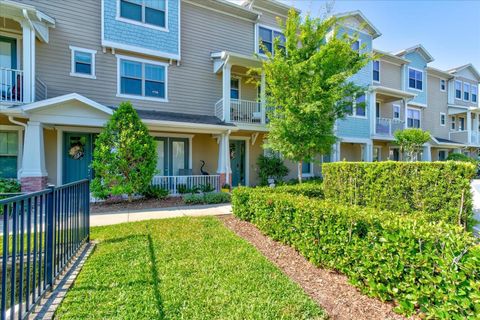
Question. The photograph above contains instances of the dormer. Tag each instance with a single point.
(414, 73)
(463, 88)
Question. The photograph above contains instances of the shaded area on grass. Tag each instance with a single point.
(190, 268)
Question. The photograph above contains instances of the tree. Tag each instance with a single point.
(307, 79)
(271, 167)
(125, 157)
(411, 142)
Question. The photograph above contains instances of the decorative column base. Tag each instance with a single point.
(32, 184)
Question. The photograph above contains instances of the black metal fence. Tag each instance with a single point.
(41, 232)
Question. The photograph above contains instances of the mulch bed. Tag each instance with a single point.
(329, 289)
(140, 204)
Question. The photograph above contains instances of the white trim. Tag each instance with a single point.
(239, 78)
(408, 78)
(19, 130)
(68, 97)
(143, 61)
(453, 123)
(247, 156)
(149, 52)
(379, 68)
(399, 111)
(194, 3)
(419, 118)
(143, 24)
(257, 37)
(72, 66)
(445, 83)
(161, 134)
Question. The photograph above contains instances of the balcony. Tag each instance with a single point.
(464, 137)
(11, 86)
(386, 127)
(241, 111)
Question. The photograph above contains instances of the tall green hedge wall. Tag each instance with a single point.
(433, 187)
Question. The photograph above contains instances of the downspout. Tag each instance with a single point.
(10, 118)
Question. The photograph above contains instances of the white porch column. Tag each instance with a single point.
(336, 152)
(224, 169)
(405, 115)
(226, 78)
(28, 62)
(33, 174)
(372, 115)
(263, 97)
(475, 128)
(469, 126)
(368, 149)
(427, 153)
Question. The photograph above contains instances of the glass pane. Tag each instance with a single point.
(356, 45)
(306, 166)
(268, 45)
(234, 83)
(156, 4)
(411, 73)
(155, 17)
(12, 143)
(8, 167)
(234, 94)
(154, 72)
(131, 69)
(411, 83)
(419, 84)
(3, 143)
(131, 86)
(5, 54)
(161, 157)
(265, 34)
(360, 110)
(131, 10)
(376, 75)
(83, 68)
(83, 57)
(280, 36)
(178, 156)
(154, 89)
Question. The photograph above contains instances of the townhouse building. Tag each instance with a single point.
(184, 65)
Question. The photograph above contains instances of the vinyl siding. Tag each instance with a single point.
(437, 103)
(417, 62)
(390, 75)
(461, 102)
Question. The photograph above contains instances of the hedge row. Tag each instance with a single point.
(433, 187)
(430, 268)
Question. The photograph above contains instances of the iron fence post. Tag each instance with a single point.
(49, 229)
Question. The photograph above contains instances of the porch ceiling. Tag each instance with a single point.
(389, 94)
(235, 59)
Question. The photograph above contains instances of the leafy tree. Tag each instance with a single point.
(271, 167)
(307, 79)
(125, 157)
(411, 142)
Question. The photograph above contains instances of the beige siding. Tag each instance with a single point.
(437, 103)
(50, 141)
(460, 101)
(351, 151)
(390, 75)
(270, 19)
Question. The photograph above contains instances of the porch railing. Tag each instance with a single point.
(459, 136)
(41, 232)
(11, 85)
(387, 127)
(184, 184)
(242, 111)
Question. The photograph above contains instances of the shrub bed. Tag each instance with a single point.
(437, 188)
(207, 198)
(426, 267)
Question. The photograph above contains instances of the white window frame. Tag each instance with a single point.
(74, 49)
(443, 116)
(379, 68)
(309, 174)
(257, 38)
(453, 123)
(444, 82)
(423, 79)
(399, 111)
(472, 91)
(354, 108)
(468, 91)
(118, 17)
(419, 117)
(461, 90)
(142, 97)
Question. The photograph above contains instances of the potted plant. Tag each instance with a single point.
(226, 188)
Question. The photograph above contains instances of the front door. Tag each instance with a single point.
(237, 162)
(78, 155)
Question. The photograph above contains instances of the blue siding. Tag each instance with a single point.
(417, 62)
(353, 127)
(364, 76)
(164, 43)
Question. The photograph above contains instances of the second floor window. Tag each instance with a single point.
(358, 107)
(415, 79)
(443, 85)
(466, 91)
(453, 123)
(235, 88)
(458, 89)
(152, 12)
(474, 93)
(143, 79)
(461, 124)
(376, 71)
(443, 119)
(266, 37)
(413, 118)
(83, 62)
(396, 111)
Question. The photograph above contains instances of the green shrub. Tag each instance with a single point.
(426, 267)
(312, 189)
(433, 187)
(460, 157)
(207, 198)
(271, 167)
(155, 192)
(9, 186)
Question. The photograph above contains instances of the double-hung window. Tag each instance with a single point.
(355, 45)
(173, 156)
(82, 62)
(376, 71)
(235, 88)
(149, 12)
(8, 154)
(413, 118)
(474, 93)
(461, 124)
(357, 107)
(443, 119)
(396, 111)
(307, 169)
(466, 91)
(415, 79)
(443, 85)
(458, 89)
(266, 38)
(142, 78)
(453, 123)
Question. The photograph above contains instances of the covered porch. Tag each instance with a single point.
(464, 125)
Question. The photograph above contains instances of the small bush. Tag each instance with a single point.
(271, 167)
(155, 192)
(426, 267)
(460, 157)
(9, 186)
(207, 198)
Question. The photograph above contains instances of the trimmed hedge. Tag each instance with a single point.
(432, 187)
(426, 267)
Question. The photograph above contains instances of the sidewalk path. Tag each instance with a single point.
(103, 219)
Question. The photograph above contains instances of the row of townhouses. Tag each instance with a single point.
(65, 66)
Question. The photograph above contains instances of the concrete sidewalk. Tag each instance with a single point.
(104, 219)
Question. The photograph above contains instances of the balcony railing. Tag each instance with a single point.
(462, 137)
(185, 184)
(242, 111)
(11, 85)
(387, 127)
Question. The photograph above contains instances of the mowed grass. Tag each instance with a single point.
(184, 268)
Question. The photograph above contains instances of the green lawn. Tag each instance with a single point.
(184, 268)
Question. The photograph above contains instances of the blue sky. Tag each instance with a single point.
(448, 29)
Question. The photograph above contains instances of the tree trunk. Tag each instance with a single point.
(300, 165)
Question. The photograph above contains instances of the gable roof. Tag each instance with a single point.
(466, 66)
(272, 5)
(417, 48)
(66, 98)
(363, 19)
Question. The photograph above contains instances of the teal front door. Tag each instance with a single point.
(237, 162)
(77, 156)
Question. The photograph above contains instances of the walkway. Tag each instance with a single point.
(103, 219)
